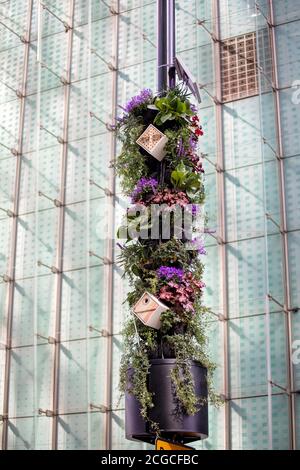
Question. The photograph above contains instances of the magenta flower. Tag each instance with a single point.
(181, 294)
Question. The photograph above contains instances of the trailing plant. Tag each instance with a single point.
(165, 266)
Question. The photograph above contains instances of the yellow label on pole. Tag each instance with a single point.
(162, 444)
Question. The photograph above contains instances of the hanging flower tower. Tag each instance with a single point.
(162, 256)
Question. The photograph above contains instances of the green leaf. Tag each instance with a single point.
(178, 176)
(188, 111)
(177, 179)
(136, 271)
(193, 182)
(181, 168)
(181, 107)
(191, 195)
(161, 103)
(152, 106)
(166, 117)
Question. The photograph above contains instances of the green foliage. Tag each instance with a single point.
(184, 180)
(130, 166)
(171, 147)
(187, 347)
(135, 359)
(142, 259)
(168, 320)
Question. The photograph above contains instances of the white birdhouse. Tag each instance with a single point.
(148, 309)
(153, 141)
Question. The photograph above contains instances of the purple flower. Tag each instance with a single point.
(180, 148)
(168, 273)
(195, 209)
(193, 142)
(199, 246)
(144, 96)
(143, 185)
(194, 108)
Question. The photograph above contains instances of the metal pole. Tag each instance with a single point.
(171, 46)
(165, 44)
(109, 268)
(222, 218)
(166, 73)
(284, 225)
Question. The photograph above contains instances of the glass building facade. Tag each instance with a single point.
(65, 67)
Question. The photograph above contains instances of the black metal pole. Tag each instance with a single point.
(165, 44)
(162, 46)
(171, 46)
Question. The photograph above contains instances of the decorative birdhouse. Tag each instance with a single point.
(153, 141)
(148, 309)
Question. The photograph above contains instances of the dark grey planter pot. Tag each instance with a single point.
(174, 425)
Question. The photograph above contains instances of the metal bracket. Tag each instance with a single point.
(101, 408)
(269, 217)
(113, 11)
(219, 169)
(112, 67)
(285, 390)
(56, 202)
(6, 278)
(20, 94)
(64, 81)
(106, 190)
(59, 139)
(105, 260)
(15, 152)
(224, 397)
(53, 269)
(8, 212)
(47, 413)
(50, 339)
(104, 333)
(110, 127)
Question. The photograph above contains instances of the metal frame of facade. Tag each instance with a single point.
(220, 175)
(14, 231)
(284, 233)
(109, 267)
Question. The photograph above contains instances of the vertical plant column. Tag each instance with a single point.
(161, 245)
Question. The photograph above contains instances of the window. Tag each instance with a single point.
(239, 67)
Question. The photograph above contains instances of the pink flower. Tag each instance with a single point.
(181, 295)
